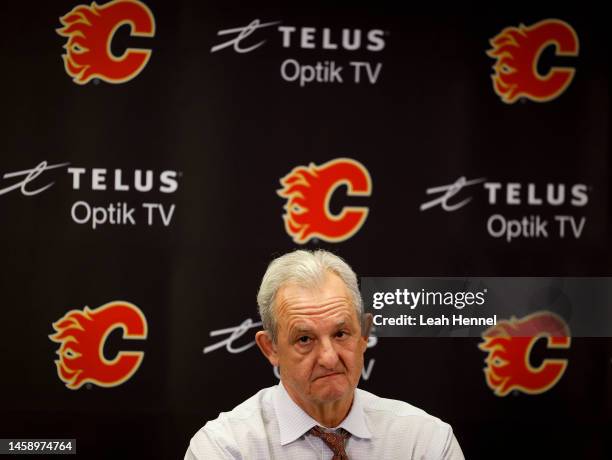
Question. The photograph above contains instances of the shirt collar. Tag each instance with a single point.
(293, 421)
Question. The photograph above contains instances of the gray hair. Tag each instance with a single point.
(305, 268)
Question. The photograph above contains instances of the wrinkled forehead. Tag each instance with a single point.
(330, 299)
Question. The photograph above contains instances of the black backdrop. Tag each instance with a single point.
(229, 127)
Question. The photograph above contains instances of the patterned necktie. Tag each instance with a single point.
(335, 441)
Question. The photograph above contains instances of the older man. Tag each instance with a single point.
(316, 333)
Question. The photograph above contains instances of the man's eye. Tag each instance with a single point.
(341, 334)
(304, 339)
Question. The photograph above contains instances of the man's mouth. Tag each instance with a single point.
(331, 374)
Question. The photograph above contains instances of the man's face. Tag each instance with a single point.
(319, 345)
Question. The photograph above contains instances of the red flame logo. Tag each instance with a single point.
(509, 345)
(517, 52)
(82, 335)
(308, 190)
(90, 31)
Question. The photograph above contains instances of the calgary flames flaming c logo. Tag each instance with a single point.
(90, 30)
(82, 335)
(518, 51)
(309, 191)
(509, 345)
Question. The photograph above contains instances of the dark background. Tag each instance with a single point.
(232, 128)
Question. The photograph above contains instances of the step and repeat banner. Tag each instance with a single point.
(157, 155)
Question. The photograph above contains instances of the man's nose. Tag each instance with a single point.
(328, 356)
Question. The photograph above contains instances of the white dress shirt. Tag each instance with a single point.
(270, 425)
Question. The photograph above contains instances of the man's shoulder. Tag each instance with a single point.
(252, 408)
(227, 435)
(423, 434)
(397, 411)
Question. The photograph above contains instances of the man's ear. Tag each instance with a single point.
(366, 325)
(267, 347)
